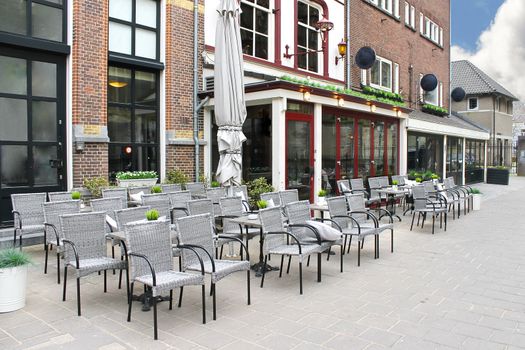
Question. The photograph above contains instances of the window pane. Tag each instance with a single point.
(46, 22)
(374, 73)
(119, 38)
(146, 13)
(264, 3)
(44, 120)
(145, 88)
(301, 58)
(312, 39)
(119, 85)
(301, 36)
(119, 160)
(13, 164)
(314, 16)
(247, 42)
(312, 62)
(261, 46)
(119, 124)
(44, 79)
(145, 43)
(13, 119)
(120, 9)
(44, 174)
(246, 16)
(386, 75)
(146, 158)
(328, 179)
(261, 21)
(13, 16)
(302, 12)
(145, 126)
(13, 75)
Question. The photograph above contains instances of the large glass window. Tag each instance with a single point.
(307, 37)
(392, 148)
(134, 28)
(455, 159)
(42, 19)
(132, 119)
(381, 74)
(474, 161)
(425, 152)
(254, 27)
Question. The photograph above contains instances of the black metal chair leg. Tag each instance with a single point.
(105, 282)
(391, 241)
(120, 279)
(308, 261)
(358, 254)
(128, 292)
(300, 276)
(155, 330)
(350, 244)
(328, 255)
(248, 289)
(180, 295)
(113, 254)
(65, 282)
(413, 217)
(130, 300)
(264, 270)
(171, 299)
(78, 297)
(46, 250)
(289, 262)
(214, 287)
(203, 304)
(342, 256)
(58, 267)
(220, 254)
(319, 259)
(281, 269)
(433, 222)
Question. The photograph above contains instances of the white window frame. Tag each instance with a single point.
(387, 5)
(381, 61)
(410, 15)
(468, 104)
(271, 28)
(434, 93)
(430, 30)
(395, 79)
(319, 42)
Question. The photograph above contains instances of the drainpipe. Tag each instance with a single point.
(196, 86)
(348, 52)
(494, 159)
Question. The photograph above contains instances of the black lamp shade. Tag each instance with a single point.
(429, 82)
(458, 94)
(365, 57)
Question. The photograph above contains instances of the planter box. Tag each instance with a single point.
(476, 201)
(137, 182)
(497, 176)
(13, 291)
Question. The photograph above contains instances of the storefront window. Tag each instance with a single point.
(474, 161)
(455, 159)
(392, 148)
(425, 152)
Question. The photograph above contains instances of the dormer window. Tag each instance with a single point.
(255, 26)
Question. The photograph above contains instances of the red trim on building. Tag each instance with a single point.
(277, 34)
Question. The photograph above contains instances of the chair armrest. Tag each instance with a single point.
(153, 274)
(246, 205)
(352, 219)
(330, 220)
(195, 246)
(17, 213)
(185, 210)
(183, 246)
(46, 225)
(369, 215)
(239, 241)
(387, 212)
(311, 228)
(77, 259)
(289, 235)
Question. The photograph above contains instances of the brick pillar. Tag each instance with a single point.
(179, 85)
(90, 64)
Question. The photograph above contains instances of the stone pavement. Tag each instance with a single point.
(460, 289)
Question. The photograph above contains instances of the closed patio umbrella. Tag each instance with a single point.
(230, 107)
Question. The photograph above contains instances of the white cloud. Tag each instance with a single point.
(500, 49)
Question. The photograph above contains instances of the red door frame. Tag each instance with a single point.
(293, 116)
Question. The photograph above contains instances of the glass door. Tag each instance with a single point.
(299, 154)
(365, 161)
(32, 111)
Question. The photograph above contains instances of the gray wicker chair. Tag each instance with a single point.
(464, 192)
(276, 242)
(179, 203)
(59, 196)
(28, 214)
(127, 215)
(273, 196)
(170, 188)
(121, 193)
(343, 186)
(423, 205)
(374, 184)
(215, 194)
(453, 197)
(197, 189)
(246, 199)
(197, 232)
(151, 264)
(358, 186)
(298, 214)
(135, 190)
(400, 179)
(289, 196)
(348, 225)
(85, 248)
(160, 202)
(200, 206)
(53, 231)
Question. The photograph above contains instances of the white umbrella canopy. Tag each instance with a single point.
(230, 106)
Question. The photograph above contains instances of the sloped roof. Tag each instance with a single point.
(474, 81)
(450, 120)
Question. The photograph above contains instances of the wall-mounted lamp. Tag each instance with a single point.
(340, 102)
(306, 96)
(79, 146)
(323, 26)
(372, 106)
(341, 48)
(399, 113)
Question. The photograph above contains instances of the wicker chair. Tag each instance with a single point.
(343, 186)
(197, 189)
(348, 225)
(53, 232)
(465, 193)
(200, 206)
(274, 196)
(423, 205)
(28, 214)
(357, 208)
(121, 193)
(276, 238)
(401, 179)
(289, 196)
(358, 186)
(136, 190)
(215, 194)
(197, 232)
(179, 203)
(298, 214)
(160, 202)
(59, 196)
(127, 215)
(85, 248)
(244, 190)
(453, 197)
(375, 184)
(170, 188)
(151, 264)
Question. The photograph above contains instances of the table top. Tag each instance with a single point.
(245, 221)
(318, 206)
(392, 191)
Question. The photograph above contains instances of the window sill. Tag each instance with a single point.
(391, 15)
(379, 87)
(135, 61)
(432, 41)
(411, 28)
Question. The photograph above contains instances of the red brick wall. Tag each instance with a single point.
(392, 40)
(93, 162)
(183, 158)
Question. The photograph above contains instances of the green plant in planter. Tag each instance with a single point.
(95, 185)
(176, 176)
(413, 174)
(13, 258)
(395, 183)
(262, 204)
(419, 180)
(427, 175)
(322, 193)
(156, 189)
(215, 184)
(75, 195)
(256, 187)
(136, 175)
(475, 191)
(152, 215)
(435, 177)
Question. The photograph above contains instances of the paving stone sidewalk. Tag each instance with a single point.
(460, 289)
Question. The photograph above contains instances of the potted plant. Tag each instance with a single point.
(435, 178)
(13, 279)
(156, 189)
(215, 184)
(95, 185)
(498, 175)
(419, 180)
(476, 199)
(394, 185)
(136, 178)
(75, 195)
(255, 188)
(262, 204)
(322, 196)
(152, 215)
(176, 176)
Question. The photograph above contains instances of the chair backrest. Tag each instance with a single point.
(451, 181)
(138, 189)
(200, 206)
(196, 230)
(169, 188)
(356, 202)
(272, 221)
(158, 201)
(196, 188)
(231, 206)
(29, 205)
(273, 196)
(343, 186)
(216, 193)
(400, 179)
(298, 213)
(88, 232)
(373, 183)
(429, 186)
(108, 206)
(179, 199)
(383, 181)
(337, 207)
(152, 239)
(447, 184)
(53, 210)
(125, 216)
(420, 197)
(59, 196)
(121, 193)
(357, 184)
(241, 188)
(288, 196)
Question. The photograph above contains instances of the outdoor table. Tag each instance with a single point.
(391, 195)
(322, 208)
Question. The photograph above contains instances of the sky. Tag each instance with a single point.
(491, 34)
